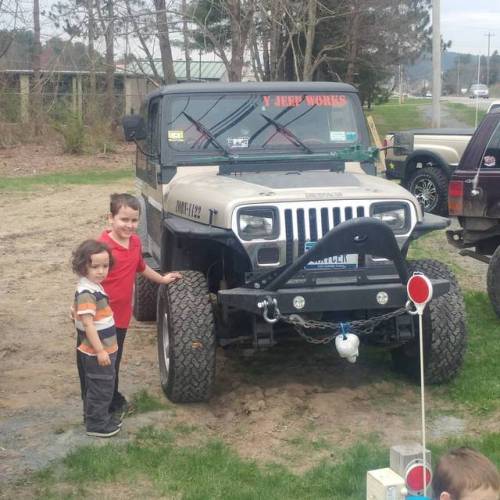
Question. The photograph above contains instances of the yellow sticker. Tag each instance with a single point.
(176, 135)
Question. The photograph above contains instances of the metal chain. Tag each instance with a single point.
(359, 327)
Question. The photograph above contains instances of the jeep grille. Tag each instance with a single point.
(305, 221)
(310, 224)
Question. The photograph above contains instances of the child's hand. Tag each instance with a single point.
(72, 314)
(171, 278)
(103, 358)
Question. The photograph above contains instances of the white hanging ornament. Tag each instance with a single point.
(347, 345)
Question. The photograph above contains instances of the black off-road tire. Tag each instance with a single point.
(186, 339)
(145, 299)
(445, 331)
(493, 281)
(436, 179)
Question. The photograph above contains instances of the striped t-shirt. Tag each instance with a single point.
(90, 298)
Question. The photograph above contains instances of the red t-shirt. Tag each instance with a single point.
(119, 284)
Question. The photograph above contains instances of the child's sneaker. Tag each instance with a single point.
(116, 420)
(110, 430)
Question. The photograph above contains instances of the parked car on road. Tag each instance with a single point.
(474, 197)
(424, 160)
(479, 90)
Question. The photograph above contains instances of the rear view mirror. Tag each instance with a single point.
(134, 128)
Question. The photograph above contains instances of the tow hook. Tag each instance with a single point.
(271, 312)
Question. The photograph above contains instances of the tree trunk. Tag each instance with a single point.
(186, 40)
(353, 43)
(110, 64)
(255, 56)
(37, 81)
(240, 27)
(266, 60)
(309, 35)
(164, 38)
(275, 38)
(92, 94)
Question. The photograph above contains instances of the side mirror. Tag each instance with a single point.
(134, 128)
(403, 143)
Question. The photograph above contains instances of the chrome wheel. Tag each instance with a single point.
(426, 193)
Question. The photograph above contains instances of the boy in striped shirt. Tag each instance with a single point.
(96, 337)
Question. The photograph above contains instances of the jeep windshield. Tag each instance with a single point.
(237, 125)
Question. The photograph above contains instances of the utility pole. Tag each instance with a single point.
(436, 63)
(489, 35)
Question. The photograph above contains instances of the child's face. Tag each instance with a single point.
(98, 268)
(124, 223)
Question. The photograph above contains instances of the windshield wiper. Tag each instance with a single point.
(211, 137)
(287, 133)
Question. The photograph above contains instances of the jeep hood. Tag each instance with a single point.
(223, 194)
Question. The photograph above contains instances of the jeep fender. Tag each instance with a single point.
(418, 157)
(187, 244)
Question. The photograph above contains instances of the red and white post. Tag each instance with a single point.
(419, 290)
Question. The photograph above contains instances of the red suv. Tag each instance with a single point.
(474, 197)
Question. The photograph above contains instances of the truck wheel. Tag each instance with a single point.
(186, 339)
(430, 186)
(145, 293)
(445, 332)
(493, 281)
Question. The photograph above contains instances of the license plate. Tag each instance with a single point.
(344, 261)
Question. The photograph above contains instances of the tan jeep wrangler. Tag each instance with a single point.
(264, 196)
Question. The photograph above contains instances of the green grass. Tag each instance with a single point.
(144, 402)
(478, 385)
(394, 116)
(464, 113)
(214, 471)
(64, 178)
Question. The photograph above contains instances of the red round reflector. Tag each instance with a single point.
(415, 477)
(419, 289)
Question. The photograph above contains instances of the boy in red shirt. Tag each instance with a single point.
(126, 249)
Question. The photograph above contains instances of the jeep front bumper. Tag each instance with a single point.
(324, 298)
(360, 289)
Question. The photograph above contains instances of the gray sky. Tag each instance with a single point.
(466, 22)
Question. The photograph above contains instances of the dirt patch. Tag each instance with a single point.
(294, 404)
(32, 159)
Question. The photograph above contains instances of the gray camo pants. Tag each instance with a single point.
(99, 388)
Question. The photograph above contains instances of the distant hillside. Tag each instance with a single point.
(422, 68)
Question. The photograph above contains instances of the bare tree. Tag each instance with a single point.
(185, 37)
(164, 38)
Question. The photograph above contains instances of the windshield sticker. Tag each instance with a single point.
(351, 136)
(176, 135)
(287, 101)
(489, 161)
(337, 136)
(238, 142)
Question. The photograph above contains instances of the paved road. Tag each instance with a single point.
(481, 103)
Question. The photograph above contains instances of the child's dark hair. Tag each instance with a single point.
(82, 256)
(119, 200)
(464, 470)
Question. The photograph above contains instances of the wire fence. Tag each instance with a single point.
(66, 94)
